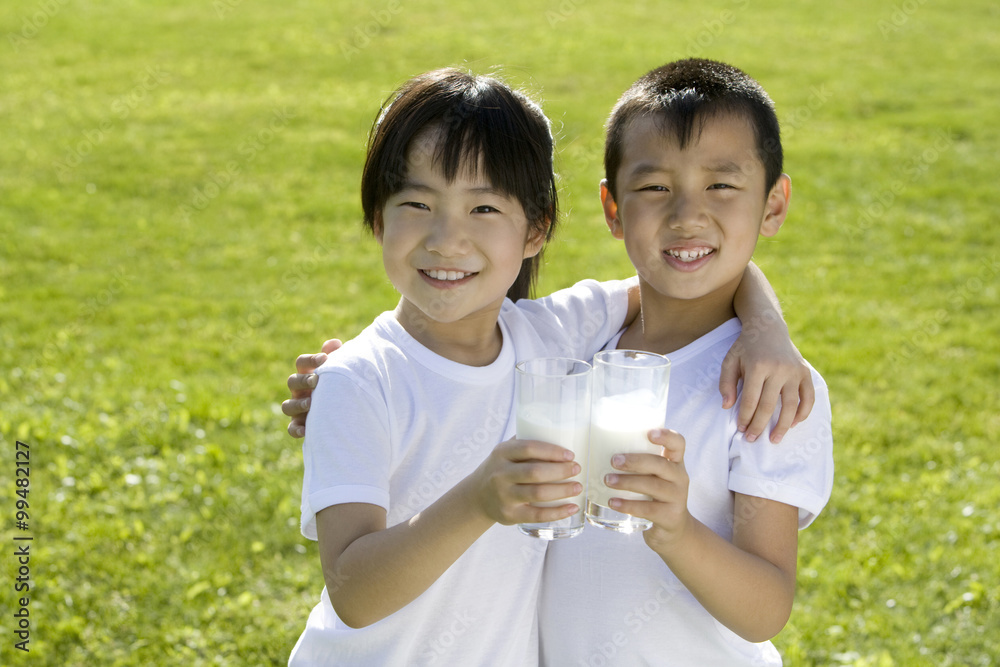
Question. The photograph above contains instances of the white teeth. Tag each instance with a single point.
(446, 275)
(689, 255)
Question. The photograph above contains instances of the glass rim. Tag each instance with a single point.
(585, 367)
(609, 358)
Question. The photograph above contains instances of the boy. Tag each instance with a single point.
(693, 173)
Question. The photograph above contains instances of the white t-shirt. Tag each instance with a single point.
(395, 425)
(608, 599)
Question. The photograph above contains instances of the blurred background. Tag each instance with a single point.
(180, 218)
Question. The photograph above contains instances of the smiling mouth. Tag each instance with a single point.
(690, 255)
(447, 276)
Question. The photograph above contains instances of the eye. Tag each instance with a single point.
(416, 205)
(721, 186)
(654, 188)
(486, 209)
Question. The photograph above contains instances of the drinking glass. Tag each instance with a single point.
(630, 398)
(552, 398)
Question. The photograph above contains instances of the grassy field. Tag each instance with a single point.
(180, 219)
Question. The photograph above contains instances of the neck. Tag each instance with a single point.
(474, 341)
(666, 324)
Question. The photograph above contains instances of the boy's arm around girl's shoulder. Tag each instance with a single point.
(582, 318)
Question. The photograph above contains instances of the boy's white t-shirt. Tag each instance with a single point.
(395, 425)
(608, 599)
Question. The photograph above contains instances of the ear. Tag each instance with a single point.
(536, 239)
(611, 211)
(776, 207)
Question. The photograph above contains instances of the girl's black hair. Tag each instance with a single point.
(482, 123)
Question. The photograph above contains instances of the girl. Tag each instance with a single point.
(410, 498)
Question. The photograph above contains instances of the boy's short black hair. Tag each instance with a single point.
(685, 92)
(482, 123)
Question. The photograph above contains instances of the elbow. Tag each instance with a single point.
(349, 614)
(767, 627)
(346, 611)
(350, 621)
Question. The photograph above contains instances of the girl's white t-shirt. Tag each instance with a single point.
(608, 599)
(395, 425)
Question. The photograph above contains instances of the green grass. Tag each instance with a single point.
(180, 218)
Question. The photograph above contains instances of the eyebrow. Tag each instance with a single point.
(727, 167)
(423, 187)
(724, 167)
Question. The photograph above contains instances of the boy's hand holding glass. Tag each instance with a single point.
(660, 477)
(630, 399)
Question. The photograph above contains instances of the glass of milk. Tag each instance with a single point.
(630, 399)
(552, 398)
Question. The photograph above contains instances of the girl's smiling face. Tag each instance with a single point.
(452, 249)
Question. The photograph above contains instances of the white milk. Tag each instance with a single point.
(619, 425)
(542, 422)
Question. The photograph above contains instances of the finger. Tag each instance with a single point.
(729, 377)
(752, 387)
(297, 427)
(807, 398)
(673, 443)
(301, 384)
(331, 345)
(535, 450)
(789, 404)
(655, 486)
(540, 472)
(643, 509)
(535, 514)
(545, 493)
(296, 406)
(765, 407)
(307, 363)
(762, 418)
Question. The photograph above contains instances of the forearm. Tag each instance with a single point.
(756, 303)
(383, 571)
(748, 594)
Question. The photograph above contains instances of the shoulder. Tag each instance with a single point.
(365, 361)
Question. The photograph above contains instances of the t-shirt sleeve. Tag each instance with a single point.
(798, 471)
(579, 320)
(346, 453)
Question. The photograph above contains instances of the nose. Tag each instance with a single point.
(686, 213)
(448, 235)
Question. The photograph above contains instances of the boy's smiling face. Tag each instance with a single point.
(690, 217)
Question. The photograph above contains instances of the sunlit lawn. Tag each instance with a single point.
(180, 219)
